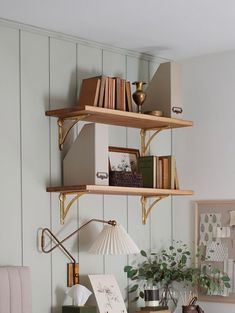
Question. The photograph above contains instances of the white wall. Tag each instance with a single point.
(205, 152)
(39, 71)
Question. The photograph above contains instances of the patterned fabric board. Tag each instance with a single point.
(216, 232)
(208, 227)
(223, 232)
(217, 251)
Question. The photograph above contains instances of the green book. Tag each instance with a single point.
(147, 166)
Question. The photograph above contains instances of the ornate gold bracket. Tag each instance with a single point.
(145, 212)
(64, 133)
(65, 208)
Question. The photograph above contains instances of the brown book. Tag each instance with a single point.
(102, 90)
(117, 93)
(106, 93)
(128, 97)
(89, 93)
(168, 171)
(160, 172)
(123, 95)
(110, 93)
(157, 173)
(113, 97)
(165, 173)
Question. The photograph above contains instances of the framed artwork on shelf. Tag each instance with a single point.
(107, 293)
(123, 159)
(215, 237)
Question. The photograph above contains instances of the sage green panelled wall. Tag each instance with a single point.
(41, 70)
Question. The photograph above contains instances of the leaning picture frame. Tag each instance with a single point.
(123, 159)
(215, 238)
(107, 293)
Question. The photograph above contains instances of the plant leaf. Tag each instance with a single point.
(141, 294)
(133, 288)
(127, 268)
(143, 253)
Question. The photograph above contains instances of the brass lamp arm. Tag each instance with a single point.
(59, 243)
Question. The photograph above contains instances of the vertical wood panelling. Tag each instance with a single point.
(137, 69)
(89, 64)
(35, 162)
(62, 94)
(114, 64)
(161, 213)
(49, 72)
(10, 191)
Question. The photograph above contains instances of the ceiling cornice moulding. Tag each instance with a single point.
(77, 40)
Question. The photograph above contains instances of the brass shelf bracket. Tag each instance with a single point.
(146, 211)
(144, 144)
(64, 133)
(65, 208)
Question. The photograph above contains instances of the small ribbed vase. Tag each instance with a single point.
(139, 95)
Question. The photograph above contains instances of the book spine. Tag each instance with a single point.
(165, 173)
(106, 93)
(128, 97)
(97, 93)
(102, 90)
(146, 168)
(122, 95)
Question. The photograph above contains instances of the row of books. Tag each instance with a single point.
(158, 171)
(106, 92)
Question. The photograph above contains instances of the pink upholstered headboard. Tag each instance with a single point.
(15, 290)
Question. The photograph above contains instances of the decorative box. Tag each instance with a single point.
(125, 179)
(78, 309)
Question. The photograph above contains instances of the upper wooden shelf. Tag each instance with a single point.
(116, 190)
(120, 118)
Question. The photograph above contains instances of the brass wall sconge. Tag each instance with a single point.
(113, 239)
(139, 95)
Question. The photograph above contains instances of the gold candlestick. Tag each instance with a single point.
(139, 95)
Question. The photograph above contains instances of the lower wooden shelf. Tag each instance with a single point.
(144, 193)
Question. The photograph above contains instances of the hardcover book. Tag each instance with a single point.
(89, 93)
(148, 167)
(169, 179)
(103, 83)
(128, 97)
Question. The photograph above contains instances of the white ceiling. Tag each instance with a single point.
(167, 28)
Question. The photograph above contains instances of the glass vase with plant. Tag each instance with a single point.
(173, 265)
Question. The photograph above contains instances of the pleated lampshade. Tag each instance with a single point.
(114, 240)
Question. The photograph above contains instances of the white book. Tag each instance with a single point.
(86, 163)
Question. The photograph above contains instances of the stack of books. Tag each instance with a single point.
(106, 92)
(158, 171)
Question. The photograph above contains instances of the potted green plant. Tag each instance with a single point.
(172, 265)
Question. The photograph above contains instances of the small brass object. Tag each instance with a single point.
(139, 95)
(154, 113)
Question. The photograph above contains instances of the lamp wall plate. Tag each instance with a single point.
(72, 274)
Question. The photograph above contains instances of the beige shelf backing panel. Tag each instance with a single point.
(120, 118)
(114, 190)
